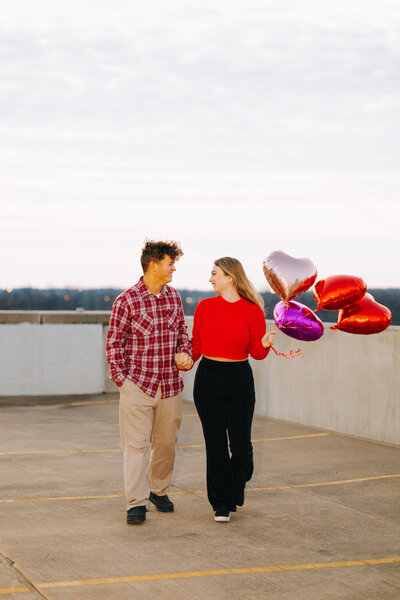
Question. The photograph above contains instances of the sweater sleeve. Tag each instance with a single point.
(258, 328)
(196, 340)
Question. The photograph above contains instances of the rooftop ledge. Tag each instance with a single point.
(41, 317)
(11, 317)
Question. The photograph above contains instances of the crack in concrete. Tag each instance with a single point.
(341, 502)
(27, 582)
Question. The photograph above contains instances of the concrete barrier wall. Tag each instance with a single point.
(344, 383)
(53, 353)
(51, 359)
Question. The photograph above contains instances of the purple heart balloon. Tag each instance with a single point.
(298, 321)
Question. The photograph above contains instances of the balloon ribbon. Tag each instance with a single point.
(292, 354)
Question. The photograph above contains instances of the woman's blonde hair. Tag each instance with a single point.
(233, 267)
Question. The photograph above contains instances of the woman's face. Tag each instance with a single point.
(219, 280)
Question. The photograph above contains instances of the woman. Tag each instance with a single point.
(226, 329)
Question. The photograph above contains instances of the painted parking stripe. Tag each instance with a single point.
(213, 573)
(88, 451)
(62, 423)
(58, 424)
(22, 452)
(82, 403)
(62, 404)
(189, 492)
(323, 483)
(240, 571)
(272, 439)
(14, 590)
(53, 499)
(293, 437)
(343, 481)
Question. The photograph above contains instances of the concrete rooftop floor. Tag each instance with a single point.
(321, 518)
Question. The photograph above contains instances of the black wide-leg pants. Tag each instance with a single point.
(224, 398)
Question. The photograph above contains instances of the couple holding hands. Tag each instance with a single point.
(147, 345)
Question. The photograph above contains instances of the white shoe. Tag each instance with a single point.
(222, 516)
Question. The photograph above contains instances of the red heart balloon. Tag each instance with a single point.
(338, 291)
(364, 316)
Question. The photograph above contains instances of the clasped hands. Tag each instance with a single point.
(183, 361)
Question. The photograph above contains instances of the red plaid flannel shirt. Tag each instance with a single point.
(145, 333)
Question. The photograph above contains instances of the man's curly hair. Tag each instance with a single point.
(157, 250)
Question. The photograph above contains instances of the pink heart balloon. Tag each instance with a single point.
(288, 277)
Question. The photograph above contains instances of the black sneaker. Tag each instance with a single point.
(222, 515)
(136, 515)
(162, 503)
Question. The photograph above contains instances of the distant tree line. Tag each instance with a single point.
(102, 299)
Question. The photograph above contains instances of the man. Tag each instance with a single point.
(147, 343)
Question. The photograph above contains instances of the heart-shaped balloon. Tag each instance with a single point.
(338, 291)
(365, 316)
(288, 277)
(298, 321)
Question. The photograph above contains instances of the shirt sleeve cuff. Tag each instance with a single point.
(118, 379)
(186, 348)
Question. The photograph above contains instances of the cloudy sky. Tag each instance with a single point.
(236, 127)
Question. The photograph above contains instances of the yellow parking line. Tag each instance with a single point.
(61, 451)
(58, 424)
(293, 437)
(272, 439)
(188, 492)
(212, 573)
(62, 423)
(61, 404)
(240, 571)
(100, 450)
(14, 590)
(82, 403)
(323, 483)
(51, 499)
(343, 481)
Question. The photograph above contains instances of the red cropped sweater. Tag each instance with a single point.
(228, 329)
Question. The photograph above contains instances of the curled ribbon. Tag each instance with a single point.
(292, 354)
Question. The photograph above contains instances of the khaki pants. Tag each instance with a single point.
(146, 424)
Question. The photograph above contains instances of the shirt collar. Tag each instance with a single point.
(144, 290)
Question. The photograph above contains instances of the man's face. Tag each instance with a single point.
(165, 269)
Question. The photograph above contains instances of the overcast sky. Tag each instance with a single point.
(236, 127)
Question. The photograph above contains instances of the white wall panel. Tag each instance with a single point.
(51, 359)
